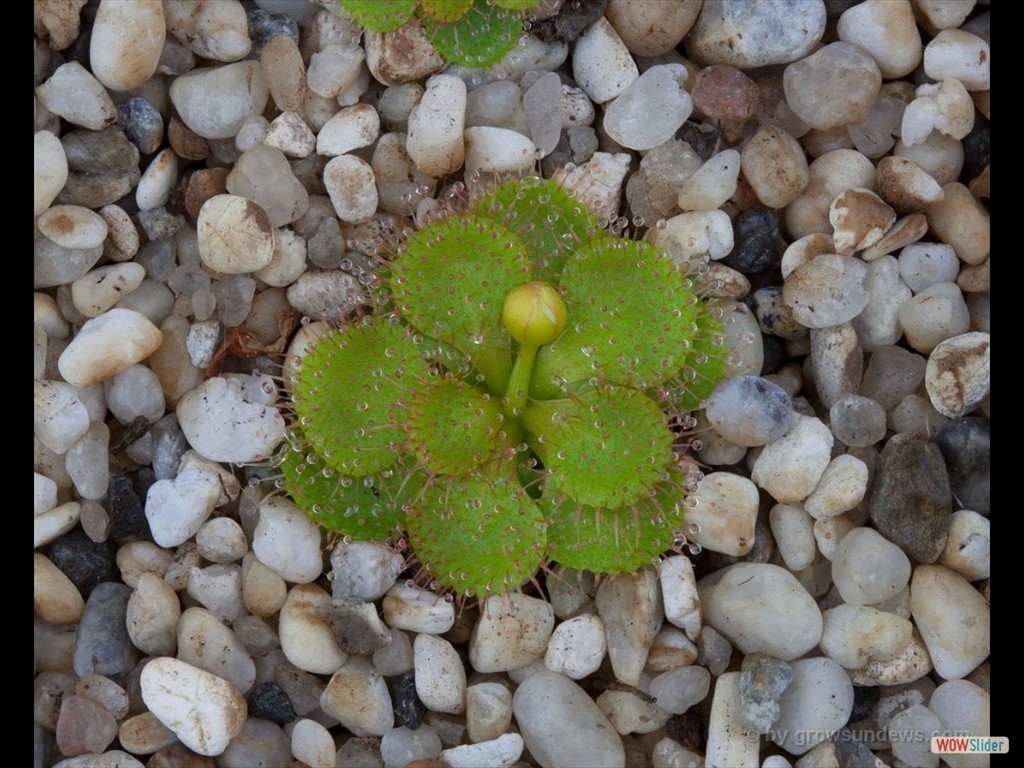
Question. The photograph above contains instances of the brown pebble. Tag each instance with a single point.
(726, 93)
(84, 727)
(186, 144)
(975, 279)
(179, 756)
(202, 186)
(979, 184)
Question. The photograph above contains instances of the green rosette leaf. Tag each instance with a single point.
(632, 319)
(607, 448)
(480, 38)
(549, 221)
(380, 15)
(350, 384)
(450, 283)
(445, 10)
(477, 536)
(455, 428)
(368, 507)
(610, 541)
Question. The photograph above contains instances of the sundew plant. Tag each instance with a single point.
(473, 33)
(520, 395)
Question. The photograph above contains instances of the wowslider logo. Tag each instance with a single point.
(968, 745)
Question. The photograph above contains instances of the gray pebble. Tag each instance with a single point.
(857, 421)
(750, 410)
(103, 645)
(142, 123)
(763, 679)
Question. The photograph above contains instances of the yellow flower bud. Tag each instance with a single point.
(534, 313)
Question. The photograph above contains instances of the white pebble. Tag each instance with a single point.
(598, 182)
(352, 187)
(945, 106)
(817, 702)
(88, 462)
(152, 618)
(791, 467)
(601, 64)
(502, 752)
(512, 631)
(868, 568)
(957, 376)
(55, 522)
(221, 540)
(106, 345)
(695, 234)
(215, 101)
(731, 741)
(968, 548)
(417, 610)
(289, 133)
(352, 128)
(679, 689)
(99, 290)
(725, 512)
(828, 290)
(307, 639)
(962, 705)
(888, 31)
(924, 264)
(711, 184)
(435, 141)
(60, 417)
(204, 710)
(287, 541)
(651, 109)
(333, 68)
(679, 594)
(953, 618)
(577, 647)
(312, 744)
(160, 176)
(498, 150)
(231, 418)
(44, 494)
(363, 570)
(488, 711)
(937, 313)
(73, 93)
(855, 634)
(828, 532)
(440, 675)
(212, 29)
(208, 644)
(72, 226)
(561, 725)
(235, 235)
(401, 746)
(358, 697)
(841, 488)
(793, 530)
(761, 608)
(49, 169)
(958, 54)
(395, 657)
(218, 588)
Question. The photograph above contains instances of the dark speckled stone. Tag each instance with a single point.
(127, 515)
(409, 710)
(758, 245)
(966, 445)
(911, 501)
(264, 25)
(84, 561)
(268, 701)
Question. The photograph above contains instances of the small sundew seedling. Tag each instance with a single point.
(473, 33)
(515, 400)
